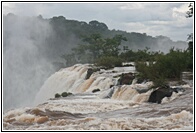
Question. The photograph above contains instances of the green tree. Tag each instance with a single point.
(111, 45)
(189, 13)
(93, 46)
(98, 25)
(164, 67)
(190, 36)
(96, 47)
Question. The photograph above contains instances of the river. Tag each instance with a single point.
(113, 107)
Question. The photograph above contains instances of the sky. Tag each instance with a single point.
(158, 18)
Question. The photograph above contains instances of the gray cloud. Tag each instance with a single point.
(153, 18)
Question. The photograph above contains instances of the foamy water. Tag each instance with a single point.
(120, 107)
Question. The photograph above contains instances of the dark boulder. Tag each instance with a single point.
(126, 78)
(65, 94)
(95, 90)
(111, 86)
(89, 73)
(157, 95)
(57, 95)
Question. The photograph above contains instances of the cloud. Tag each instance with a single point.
(131, 6)
(158, 19)
(180, 12)
(128, 16)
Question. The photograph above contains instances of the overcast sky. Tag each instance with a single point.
(155, 19)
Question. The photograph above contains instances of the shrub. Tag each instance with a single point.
(140, 55)
(167, 66)
(109, 62)
(57, 95)
(69, 93)
(65, 94)
(172, 64)
(149, 71)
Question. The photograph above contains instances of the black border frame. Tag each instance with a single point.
(96, 130)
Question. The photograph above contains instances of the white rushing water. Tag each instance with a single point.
(114, 107)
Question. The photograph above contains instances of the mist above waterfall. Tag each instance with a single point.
(25, 60)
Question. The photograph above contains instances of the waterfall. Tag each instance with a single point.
(72, 79)
(65, 80)
(113, 107)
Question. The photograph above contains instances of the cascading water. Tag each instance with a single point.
(67, 79)
(111, 107)
(73, 80)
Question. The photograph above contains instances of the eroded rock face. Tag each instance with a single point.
(157, 95)
(165, 91)
(126, 78)
(89, 73)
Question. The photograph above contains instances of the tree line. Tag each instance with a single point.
(156, 66)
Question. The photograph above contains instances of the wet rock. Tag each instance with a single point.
(111, 86)
(57, 95)
(126, 78)
(178, 89)
(65, 94)
(157, 95)
(95, 90)
(89, 73)
(165, 91)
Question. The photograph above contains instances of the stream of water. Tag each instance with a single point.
(114, 107)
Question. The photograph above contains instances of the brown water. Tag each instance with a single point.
(125, 110)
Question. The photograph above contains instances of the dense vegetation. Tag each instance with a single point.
(155, 66)
(165, 67)
(64, 34)
(64, 94)
(96, 50)
(70, 33)
(169, 66)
